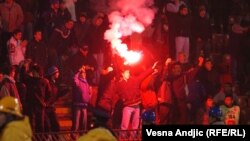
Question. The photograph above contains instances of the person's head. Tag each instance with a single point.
(228, 88)
(9, 106)
(208, 64)
(126, 74)
(202, 11)
(83, 17)
(148, 117)
(37, 70)
(53, 72)
(69, 24)
(229, 101)
(183, 10)
(176, 69)
(82, 73)
(209, 102)
(227, 59)
(62, 5)
(54, 4)
(17, 34)
(181, 57)
(84, 49)
(98, 21)
(100, 117)
(10, 71)
(38, 35)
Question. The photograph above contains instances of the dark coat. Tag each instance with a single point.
(61, 40)
(202, 28)
(183, 26)
(210, 80)
(38, 91)
(96, 40)
(37, 52)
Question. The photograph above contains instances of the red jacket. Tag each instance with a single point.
(130, 90)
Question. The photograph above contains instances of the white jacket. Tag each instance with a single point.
(16, 51)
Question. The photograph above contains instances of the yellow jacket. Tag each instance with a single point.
(98, 134)
(18, 130)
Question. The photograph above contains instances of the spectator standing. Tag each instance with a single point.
(11, 15)
(83, 57)
(230, 111)
(209, 78)
(50, 115)
(172, 9)
(60, 42)
(81, 99)
(81, 29)
(183, 32)
(202, 31)
(37, 50)
(129, 91)
(8, 83)
(16, 48)
(38, 91)
(202, 116)
(97, 44)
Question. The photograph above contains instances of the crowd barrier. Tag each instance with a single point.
(122, 135)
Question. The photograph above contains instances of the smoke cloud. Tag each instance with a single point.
(128, 16)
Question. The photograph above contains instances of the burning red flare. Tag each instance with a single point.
(132, 57)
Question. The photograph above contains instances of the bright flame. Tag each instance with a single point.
(131, 16)
(132, 57)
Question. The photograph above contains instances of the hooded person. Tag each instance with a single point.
(98, 134)
(13, 125)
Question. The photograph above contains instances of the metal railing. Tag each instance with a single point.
(122, 135)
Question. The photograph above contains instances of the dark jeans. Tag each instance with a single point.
(51, 120)
(37, 118)
(164, 114)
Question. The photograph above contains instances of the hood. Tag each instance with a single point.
(98, 134)
(19, 129)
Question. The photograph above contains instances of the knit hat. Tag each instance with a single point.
(52, 70)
